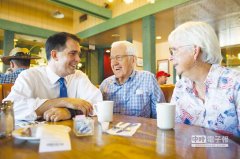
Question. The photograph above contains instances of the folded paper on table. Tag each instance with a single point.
(124, 129)
(54, 138)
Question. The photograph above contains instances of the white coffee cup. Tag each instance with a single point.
(165, 115)
(104, 111)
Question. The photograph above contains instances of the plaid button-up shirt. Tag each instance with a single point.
(11, 77)
(136, 97)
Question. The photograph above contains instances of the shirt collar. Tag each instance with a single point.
(129, 78)
(19, 70)
(52, 76)
(211, 79)
(213, 76)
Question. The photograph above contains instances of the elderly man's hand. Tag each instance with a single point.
(56, 114)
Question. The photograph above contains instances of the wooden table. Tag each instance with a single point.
(148, 143)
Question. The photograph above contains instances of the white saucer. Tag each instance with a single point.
(18, 135)
(37, 133)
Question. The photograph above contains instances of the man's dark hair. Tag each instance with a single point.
(58, 42)
(21, 62)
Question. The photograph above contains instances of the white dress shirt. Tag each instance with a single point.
(36, 85)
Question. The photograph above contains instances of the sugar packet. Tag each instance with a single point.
(83, 126)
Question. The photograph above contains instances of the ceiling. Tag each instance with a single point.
(133, 31)
(165, 21)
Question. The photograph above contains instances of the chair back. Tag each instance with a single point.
(1, 94)
(5, 89)
(167, 91)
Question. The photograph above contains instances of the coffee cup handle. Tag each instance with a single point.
(94, 113)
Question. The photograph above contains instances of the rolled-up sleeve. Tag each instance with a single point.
(22, 96)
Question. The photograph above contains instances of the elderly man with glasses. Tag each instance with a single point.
(134, 93)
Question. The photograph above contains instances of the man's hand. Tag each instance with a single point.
(56, 114)
(76, 104)
(60, 106)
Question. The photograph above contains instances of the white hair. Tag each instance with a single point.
(130, 49)
(200, 34)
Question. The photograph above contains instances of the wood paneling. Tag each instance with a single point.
(36, 13)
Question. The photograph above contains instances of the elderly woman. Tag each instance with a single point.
(208, 94)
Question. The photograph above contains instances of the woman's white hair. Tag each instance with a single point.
(130, 49)
(200, 34)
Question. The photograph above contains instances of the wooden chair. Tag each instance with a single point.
(167, 91)
(1, 94)
(5, 89)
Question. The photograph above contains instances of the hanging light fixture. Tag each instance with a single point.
(151, 1)
(128, 1)
(131, 1)
(57, 14)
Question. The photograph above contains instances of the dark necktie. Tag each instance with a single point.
(63, 93)
(63, 88)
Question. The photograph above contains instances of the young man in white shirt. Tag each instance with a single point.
(36, 92)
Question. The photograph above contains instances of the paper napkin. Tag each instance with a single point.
(54, 138)
(124, 129)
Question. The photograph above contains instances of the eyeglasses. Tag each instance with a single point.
(173, 51)
(119, 57)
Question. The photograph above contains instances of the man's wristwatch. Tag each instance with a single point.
(72, 112)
